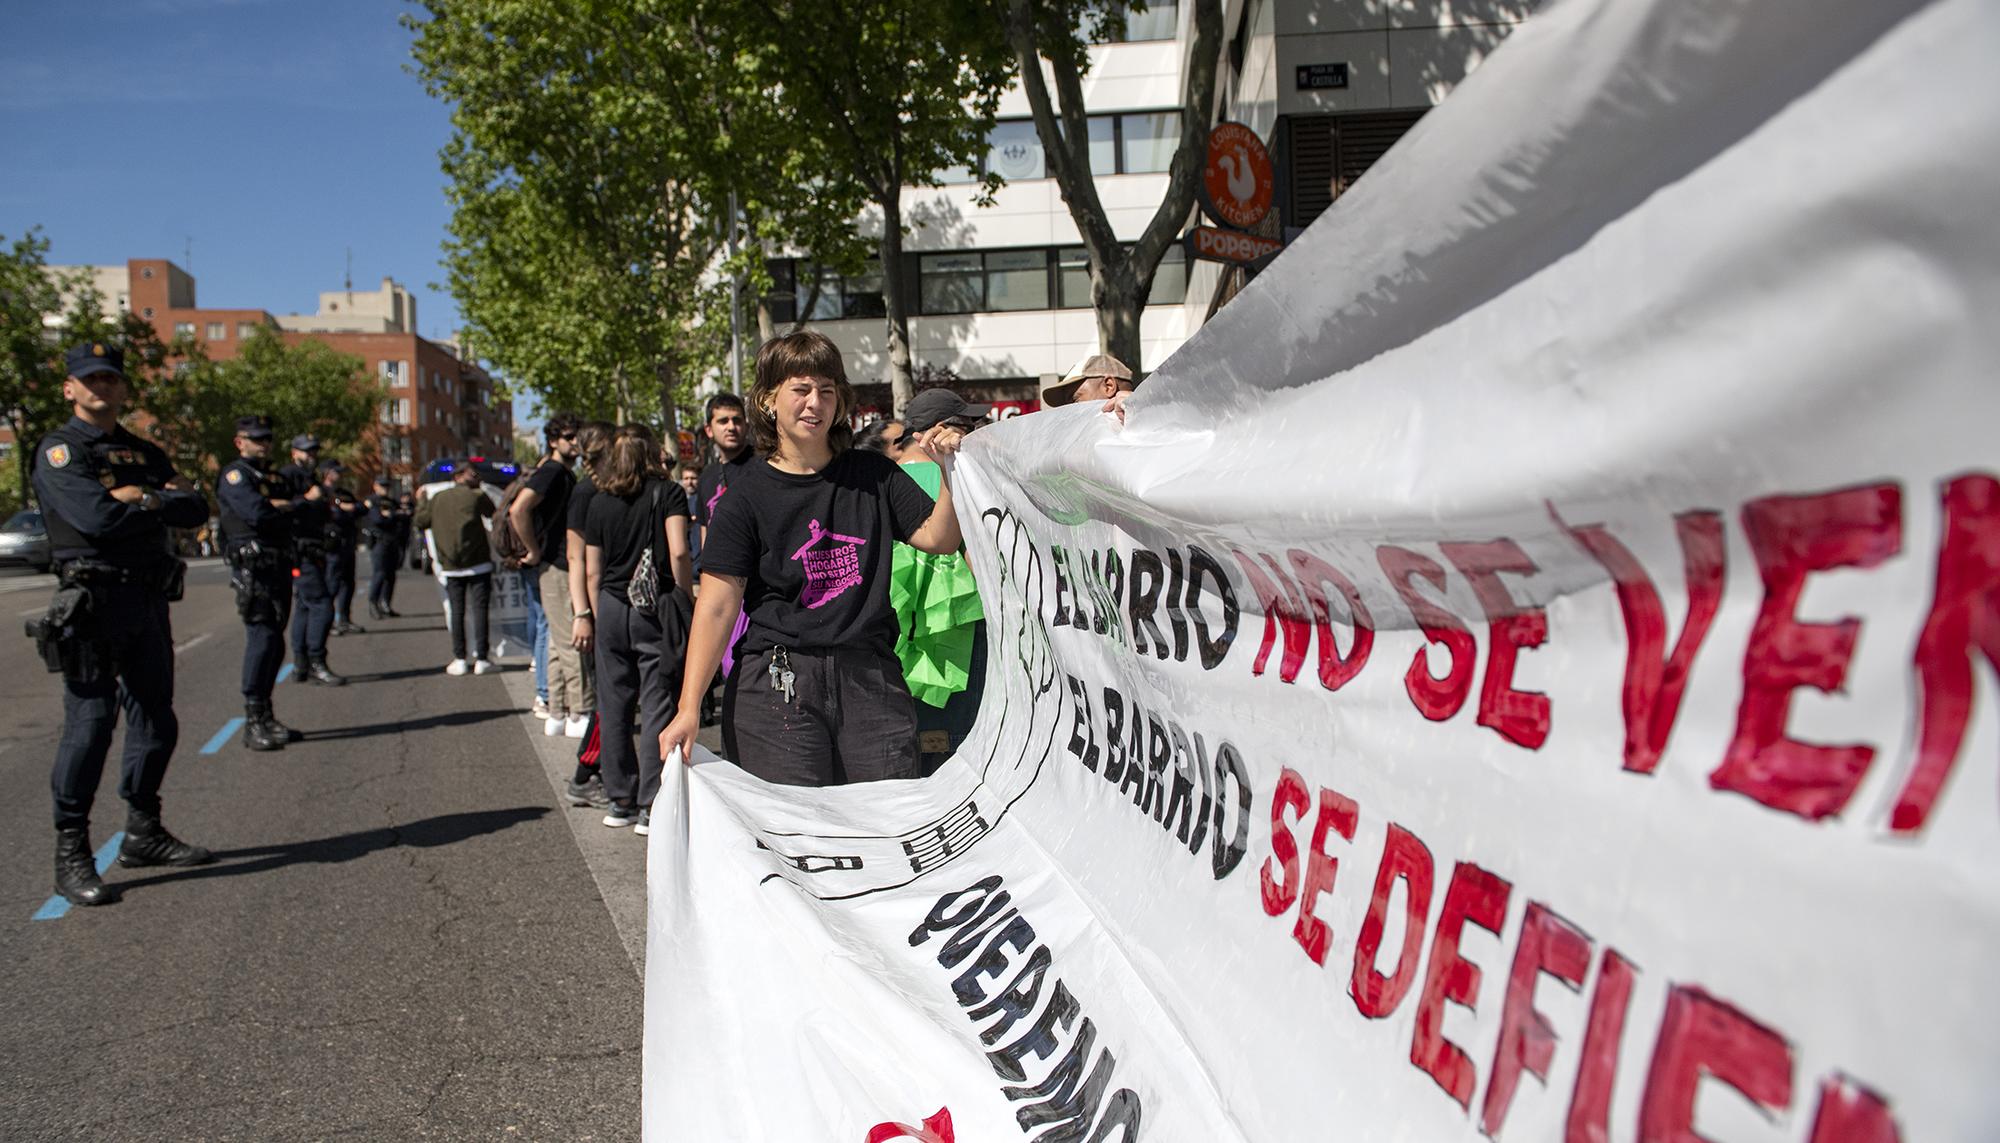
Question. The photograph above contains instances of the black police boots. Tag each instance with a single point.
(76, 870)
(301, 669)
(257, 731)
(319, 672)
(279, 730)
(147, 842)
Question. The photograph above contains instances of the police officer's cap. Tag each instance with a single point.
(329, 465)
(89, 358)
(256, 426)
(306, 442)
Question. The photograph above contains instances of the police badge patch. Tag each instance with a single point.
(58, 456)
(233, 476)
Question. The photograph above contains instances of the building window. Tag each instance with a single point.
(396, 411)
(1014, 150)
(1017, 280)
(1073, 278)
(951, 283)
(396, 374)
(183, 329)
(246, 330)
(217, 331)
(1147, 141)
(1155, 23)
(783, 301)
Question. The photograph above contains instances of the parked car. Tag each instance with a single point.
(24, 541)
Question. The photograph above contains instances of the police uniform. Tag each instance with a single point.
(343, 536)
(312, 602)
(388, 530)
(257, 543)
(108, 628)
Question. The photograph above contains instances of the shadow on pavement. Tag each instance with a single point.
(430, 722)
(427, 833)
(374, 631)
(391, 676)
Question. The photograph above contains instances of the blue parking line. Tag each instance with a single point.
(222, 736)
(284, 672)
(55, 908)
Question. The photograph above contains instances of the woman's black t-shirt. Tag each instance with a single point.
(815, 551)
(625, 526)
(579, 504)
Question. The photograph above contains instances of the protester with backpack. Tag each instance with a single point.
(456, 519)
(636, 562)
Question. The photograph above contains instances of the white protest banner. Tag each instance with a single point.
(1526, 670)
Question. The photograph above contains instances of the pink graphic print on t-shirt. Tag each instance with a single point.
(829, 570)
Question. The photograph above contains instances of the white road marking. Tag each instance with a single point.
(194, 642)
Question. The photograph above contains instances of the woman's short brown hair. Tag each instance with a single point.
(807, 353)
(591, 442)
(634, 457)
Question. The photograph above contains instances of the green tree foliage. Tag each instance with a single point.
(30, 358)
(894, 91)
(596, 146)
(1057, 32)
(307, 387)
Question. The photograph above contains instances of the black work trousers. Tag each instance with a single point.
(386, 559)
(467, 598)
(636, 671)
(264, 635)
(850, 718)
(312, 607)
(134, 673)
(340, 582)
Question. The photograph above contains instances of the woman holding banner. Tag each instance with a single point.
(803, 543)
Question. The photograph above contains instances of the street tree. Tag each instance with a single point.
(596, 151)
(896, 91)
(305, 387)
(30, 358)
(1055, 35)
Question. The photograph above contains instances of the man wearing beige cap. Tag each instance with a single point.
(1095, 378)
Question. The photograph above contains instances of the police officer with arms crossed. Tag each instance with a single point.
(108, 498)
(257, 542)
(312, 612)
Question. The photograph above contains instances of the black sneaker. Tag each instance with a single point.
(618, 817)
(588, 794)
(644, 825)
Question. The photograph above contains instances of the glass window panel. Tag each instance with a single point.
(1073, 273)
(1103, 145)
(953, 175)
(862, 297)
(216, 331)
(826, 305)
(1150, 139)
(1170, 279)
(1155, 23)
(950, 283)
(246, 329)
(783, 300)
(1017, 280)
(1014, 150)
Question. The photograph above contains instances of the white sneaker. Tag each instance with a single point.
(541, 708)
(483, 667)
(553, 727)
(576, 727)
(457, 667)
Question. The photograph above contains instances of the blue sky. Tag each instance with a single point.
(274, 135)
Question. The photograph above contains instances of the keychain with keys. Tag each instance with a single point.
(782, 678)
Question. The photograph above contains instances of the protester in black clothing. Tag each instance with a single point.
(728, 430)
(804, 541)
(636, 530)
(107, 499)
(387, 531)
(593, 440)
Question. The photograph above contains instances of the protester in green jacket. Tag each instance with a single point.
(456, 520)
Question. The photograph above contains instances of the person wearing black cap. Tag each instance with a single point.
(387, 532)
(934, 407)
(108, 498)
(312, 610)
(257, 544)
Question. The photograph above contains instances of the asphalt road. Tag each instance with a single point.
(406, 935)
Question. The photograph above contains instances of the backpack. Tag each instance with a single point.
(509, 548)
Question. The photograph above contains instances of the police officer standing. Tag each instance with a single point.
(257, 543)
(387, 531)
(107, 499)
(342, 535)
(312, 607)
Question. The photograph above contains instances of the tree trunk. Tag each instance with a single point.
(1119, 305)
(902, 379)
